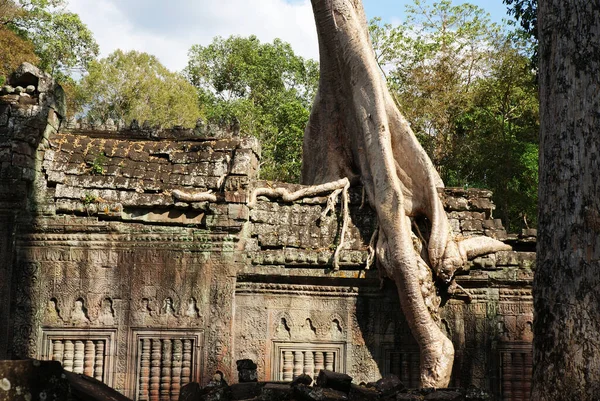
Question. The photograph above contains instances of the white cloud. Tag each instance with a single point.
(167, 29)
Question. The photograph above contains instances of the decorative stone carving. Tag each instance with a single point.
(294, 359)
(283, 326)
(107, 313)
(516, 364)
(89, 352)
(52, 313)
(404, 364)
(79, 313)
(165, 362)
(308, 330)
(192, 309)
(168, 307)
(105, 281)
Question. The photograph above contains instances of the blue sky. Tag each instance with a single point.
(391, 10)
(167, 29)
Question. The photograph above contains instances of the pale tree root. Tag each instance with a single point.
(336, 187)
(185, 196)
(309, 191)
(355, 130)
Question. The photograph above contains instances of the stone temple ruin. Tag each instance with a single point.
(106, 271)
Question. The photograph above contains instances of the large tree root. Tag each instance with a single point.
(185, 196)
(355, 130)
(336, 188)
(310, 191)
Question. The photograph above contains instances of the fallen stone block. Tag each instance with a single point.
(334, 380)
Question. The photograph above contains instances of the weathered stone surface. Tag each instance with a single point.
(363, 393)
(389, 384)
(190, 392)
(409, 397)
(47, 380)
(442, 395)
(334, 380)
(306, 393)
(275, 392)
(246, 371)
(302, 379)
(86, 388)
(216, 390)
(105, 253)
(32, 379)
(246, 391)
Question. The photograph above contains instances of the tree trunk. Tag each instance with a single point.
(356, 131)
(567, 277)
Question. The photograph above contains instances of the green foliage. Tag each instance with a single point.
(15, 51)
(469, 92)
(525, 13)
(134, 85)
(60, 40)
(266, 87)
(432, 61)
(89, 198)
(497, 138)
(97, 165)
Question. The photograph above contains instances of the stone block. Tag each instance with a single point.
(306, 393)
(444, 395)
(497, 234)
(251, 143)
(238, 212)
(275, 392)
(334, 380)
(495, 224)
(362, 393)
(481, 204)
(245, 391)
(236, 196)
(389, 384)
(408, 397)
(32, 380)
(244, 163)
(471, 225)
(247, 371)
(456, 204)
(507, 258)
(302, 379)
(530, 232)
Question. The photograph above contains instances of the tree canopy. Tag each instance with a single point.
(467, 89)
(59, 39)
(266, 87)
(134, 85)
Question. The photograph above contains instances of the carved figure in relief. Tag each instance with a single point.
(336, 329)
(192, 309)
(283, 329)
(168, 307)
(308, 329)
(146, 307)
(107, 313)
(79, 312)
(52, 312)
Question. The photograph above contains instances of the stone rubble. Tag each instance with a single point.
(329, 386)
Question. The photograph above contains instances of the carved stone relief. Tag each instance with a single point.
(163, 362)
(90, 352)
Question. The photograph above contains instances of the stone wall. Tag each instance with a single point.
(106, 270)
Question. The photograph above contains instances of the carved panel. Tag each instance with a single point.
(162, 362)
(6, 251)
(516, 364)
(403, 362)
(290, 360)
(90, 352)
